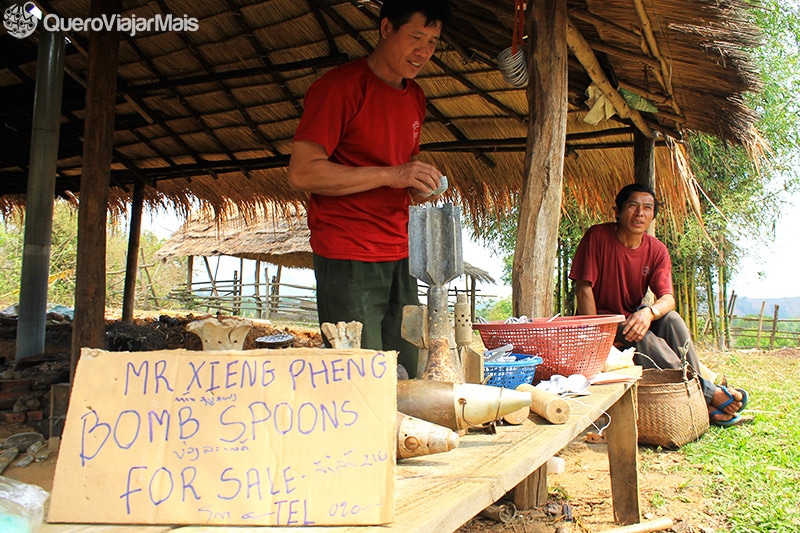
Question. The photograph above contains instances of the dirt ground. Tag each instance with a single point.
(582, 490)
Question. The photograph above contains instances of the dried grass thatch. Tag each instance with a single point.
(206, 118)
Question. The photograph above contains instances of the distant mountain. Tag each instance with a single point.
(787, 307)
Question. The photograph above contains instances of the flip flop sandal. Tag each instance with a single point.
(731, 399)
(737, 420)
(745, 399)
(722, 423)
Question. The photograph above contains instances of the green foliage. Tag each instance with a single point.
(494, 309)
(63, 257)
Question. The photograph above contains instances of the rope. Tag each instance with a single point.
(519, 25)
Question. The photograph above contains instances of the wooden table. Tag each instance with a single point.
(439, 493)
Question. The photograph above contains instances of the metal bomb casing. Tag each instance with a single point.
(457, 406)
(417, 437)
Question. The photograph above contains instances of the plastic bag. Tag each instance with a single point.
(21, 506)
(619, 359)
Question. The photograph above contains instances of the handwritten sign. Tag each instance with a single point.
(295, 437)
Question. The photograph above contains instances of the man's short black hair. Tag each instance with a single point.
(625, 193)
(400, 11)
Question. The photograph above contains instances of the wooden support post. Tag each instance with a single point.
(644, 173)
(59, 401)
(88, 329)
(644, 149)
(132, 263)
(473, 293)
(190, 281)
(235, 293)
(211, 276)
(148, 290)
(257, 289)
(760, 323)
(532, 491)
(540, 210)
(774, 328)
(623, 459)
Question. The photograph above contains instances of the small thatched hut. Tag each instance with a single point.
(280, 239)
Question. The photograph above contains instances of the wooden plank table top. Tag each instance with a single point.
(441, 492)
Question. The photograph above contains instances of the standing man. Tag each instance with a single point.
(355, 151)
(614, 265)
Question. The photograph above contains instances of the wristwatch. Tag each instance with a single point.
(656, 312)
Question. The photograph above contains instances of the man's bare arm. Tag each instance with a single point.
(310, 170)
(585, 298)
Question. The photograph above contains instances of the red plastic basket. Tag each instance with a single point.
(567, 345)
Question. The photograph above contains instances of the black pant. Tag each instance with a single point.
(662, 345)
(373, 294)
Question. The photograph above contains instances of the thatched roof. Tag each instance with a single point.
(207, 117)
(279, 238)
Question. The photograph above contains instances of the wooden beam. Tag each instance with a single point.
(586, 56)
(540, 208)
(88, 328)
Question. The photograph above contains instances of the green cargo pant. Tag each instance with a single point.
(373, 294)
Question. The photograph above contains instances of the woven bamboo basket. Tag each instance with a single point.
(671, 407)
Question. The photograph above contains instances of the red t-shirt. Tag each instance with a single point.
(362, 121)
(619, 275)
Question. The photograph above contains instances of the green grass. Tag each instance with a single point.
(751, 474)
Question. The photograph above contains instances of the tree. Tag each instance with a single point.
(63, 254)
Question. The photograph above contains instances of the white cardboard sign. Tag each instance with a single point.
(295, 437)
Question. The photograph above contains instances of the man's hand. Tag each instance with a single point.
(421, 178)
(637, 325)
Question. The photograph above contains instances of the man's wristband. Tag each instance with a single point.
(656, 312)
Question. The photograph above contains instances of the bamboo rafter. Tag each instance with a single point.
(666, 71)
(584, 53)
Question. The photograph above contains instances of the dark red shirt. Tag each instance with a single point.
(362, 121)
(620, 276)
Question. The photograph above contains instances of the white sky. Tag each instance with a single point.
(770, 269)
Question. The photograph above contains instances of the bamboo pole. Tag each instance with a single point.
(711, 302)
(723, 318)
(583, 52)
(665, 76)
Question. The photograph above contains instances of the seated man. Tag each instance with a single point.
(614, 265)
